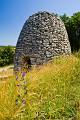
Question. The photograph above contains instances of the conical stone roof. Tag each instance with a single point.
(42, 37)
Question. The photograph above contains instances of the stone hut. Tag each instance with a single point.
(42, 37)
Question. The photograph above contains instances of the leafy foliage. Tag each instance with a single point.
(6, 55)
(72, 25)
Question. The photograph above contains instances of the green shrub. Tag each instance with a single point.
(6, 56)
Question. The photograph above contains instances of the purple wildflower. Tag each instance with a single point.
(23, 74)
(24, 101)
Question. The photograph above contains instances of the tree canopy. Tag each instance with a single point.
(6, 55)
(72, 25)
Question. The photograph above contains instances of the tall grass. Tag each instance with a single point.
(53, 92)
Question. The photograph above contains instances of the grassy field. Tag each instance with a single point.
(53, 92)
(7, 46)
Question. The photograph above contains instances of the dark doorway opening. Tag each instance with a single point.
(26, 62)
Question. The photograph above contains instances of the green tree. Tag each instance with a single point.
(6, 56)
(76, 25)
(72, 25)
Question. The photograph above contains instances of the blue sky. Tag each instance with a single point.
(13, 14)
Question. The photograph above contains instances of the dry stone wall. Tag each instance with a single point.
(42, 37)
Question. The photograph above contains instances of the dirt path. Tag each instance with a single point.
(6, 72)
(5, 68)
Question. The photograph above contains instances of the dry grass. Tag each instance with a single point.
(53, 92)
